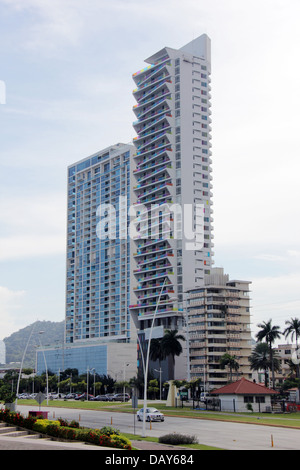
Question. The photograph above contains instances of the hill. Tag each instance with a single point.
(53, 333)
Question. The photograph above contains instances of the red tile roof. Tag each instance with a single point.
(243, 387)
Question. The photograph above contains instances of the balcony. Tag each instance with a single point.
(145, 74)
(142, 113)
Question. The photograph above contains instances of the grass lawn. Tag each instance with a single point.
(135, 437)
(285, 419)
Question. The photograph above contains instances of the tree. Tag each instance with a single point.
(170, 344)
(293, 330)
(153, 387)
(156, 350)
(269, 333)
(260, 360)
(231, 362)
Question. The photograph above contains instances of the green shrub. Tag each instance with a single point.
(61, 432)
(177, 439)
(107, 436)
(108, 431)
(41, 425)
(17, 419)
(72, 424)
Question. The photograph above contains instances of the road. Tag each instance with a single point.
(225, 435)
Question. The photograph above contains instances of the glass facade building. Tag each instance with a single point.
(98, 248)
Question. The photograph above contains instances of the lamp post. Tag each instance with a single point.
(47, 383)
(126, 364)
(21, 367)
(87, 381)
(160, 371)
(147, 360)
(187, 336)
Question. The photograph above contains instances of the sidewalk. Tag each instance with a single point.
(147, 445)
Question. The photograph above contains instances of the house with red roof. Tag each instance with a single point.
(237, 396)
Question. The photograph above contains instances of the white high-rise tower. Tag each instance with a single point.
(172, 166)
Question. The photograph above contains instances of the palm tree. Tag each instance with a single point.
(231, 362)
(260, 360)
(170, 344)
(269, 333)
(293, 330)
(156, 350)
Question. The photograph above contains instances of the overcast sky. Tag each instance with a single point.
(67, 66)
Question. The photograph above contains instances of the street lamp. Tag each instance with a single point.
(185, 312)
(160, 371)
(47, 383)
(126, 364)
(87, 381)
(23, 357)
(147, 358)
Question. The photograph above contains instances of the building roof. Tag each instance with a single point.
(244, 387)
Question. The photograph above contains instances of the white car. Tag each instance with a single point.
(152, 414)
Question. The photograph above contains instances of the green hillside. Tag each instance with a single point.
(53, 333)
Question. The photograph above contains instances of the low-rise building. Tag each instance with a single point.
(244, 395)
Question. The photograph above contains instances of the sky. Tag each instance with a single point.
(67, 69)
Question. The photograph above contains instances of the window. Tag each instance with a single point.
(248, 399)
(259, 399)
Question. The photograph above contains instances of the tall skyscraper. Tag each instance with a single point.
(172, 189)
(98, 276)
(99, 332)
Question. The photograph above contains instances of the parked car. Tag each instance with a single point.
(84, 396)
(121, 397)
(110, 396)
(100, 398)
(152, 414)
(70, 396)
(204, 396)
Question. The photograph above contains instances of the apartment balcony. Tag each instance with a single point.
(155, 181)
(143, 96)
(153, 267)
(145, 162)
(164, 146)
(160, 249)
(159, 173)
(138, 140)
(154, 166)
(155, 105)
(150, 286)
(150, 243)
(158, 275)
(157, 189)
(198, 344)
(198, 362)
(156, 258)
(158, 96)
(157, 116)
(143, 129)
(142, 76)
(150, 304)
(151, 84)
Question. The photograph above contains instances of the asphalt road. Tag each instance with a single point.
(225, 435)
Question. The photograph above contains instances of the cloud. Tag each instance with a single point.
(52, 21)
(10, 306)
(275, 297)
(32, 226)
